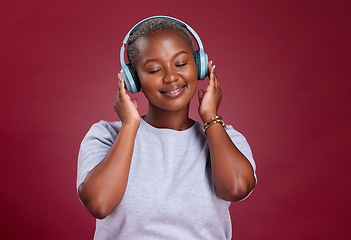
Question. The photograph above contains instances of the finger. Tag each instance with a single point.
(201, 94)
(210, 63)
(118, 85)
(123, 88)
(215, 79)
(212, 75)
(135, 102)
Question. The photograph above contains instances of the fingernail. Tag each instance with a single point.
(211, 62)
(214, 66)
(119, 76)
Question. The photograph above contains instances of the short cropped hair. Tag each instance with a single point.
(151, 26)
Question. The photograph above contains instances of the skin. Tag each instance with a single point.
(167, 74)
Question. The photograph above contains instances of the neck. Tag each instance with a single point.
(177, 120)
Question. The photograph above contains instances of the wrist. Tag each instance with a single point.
(208, 116)
(131, 124)
(212, 121)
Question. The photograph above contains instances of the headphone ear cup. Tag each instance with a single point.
(134, 80)
(201, 61)
(197, 63)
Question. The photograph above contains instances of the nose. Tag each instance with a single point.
(171, 75)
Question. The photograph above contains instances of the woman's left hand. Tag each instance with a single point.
(211, 98)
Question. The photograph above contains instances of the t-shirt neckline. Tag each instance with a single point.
(151, 128)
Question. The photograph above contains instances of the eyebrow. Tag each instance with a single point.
(155, 59)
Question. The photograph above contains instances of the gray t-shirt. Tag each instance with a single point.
(170, 192)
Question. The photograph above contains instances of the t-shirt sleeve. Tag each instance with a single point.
(94, 147)
(240, 142)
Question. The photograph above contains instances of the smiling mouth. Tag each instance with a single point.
(174, 92)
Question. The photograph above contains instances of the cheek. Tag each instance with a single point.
(191, 74)
(191, 78)
(149, 86)
(146, 82)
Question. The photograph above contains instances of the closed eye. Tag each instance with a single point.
(153, 71)
(181, 64)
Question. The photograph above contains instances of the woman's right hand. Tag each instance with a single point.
(125, 107)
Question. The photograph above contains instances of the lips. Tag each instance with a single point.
(173, 91)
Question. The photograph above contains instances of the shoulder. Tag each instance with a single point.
(103, 131)
(241, 143)
(234, 134)
(238, 139)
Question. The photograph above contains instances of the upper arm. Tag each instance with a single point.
(93, 149)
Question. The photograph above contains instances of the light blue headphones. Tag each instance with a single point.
(130, 76)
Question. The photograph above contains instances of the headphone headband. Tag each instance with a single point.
(126, 70)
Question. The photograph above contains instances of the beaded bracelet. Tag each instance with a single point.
(216, 119)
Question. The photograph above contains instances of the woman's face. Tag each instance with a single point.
(166, 69)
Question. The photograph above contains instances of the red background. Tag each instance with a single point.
(284, 67)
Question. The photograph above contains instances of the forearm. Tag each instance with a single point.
(232, 173)
(104, 187)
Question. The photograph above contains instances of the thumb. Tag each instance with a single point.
(201, 94)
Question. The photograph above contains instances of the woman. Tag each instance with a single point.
(161, 176)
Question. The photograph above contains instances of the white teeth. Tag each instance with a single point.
(174, 91)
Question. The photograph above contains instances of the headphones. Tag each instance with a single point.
(130, 76)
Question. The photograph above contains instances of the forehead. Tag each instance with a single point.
(162, 38)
